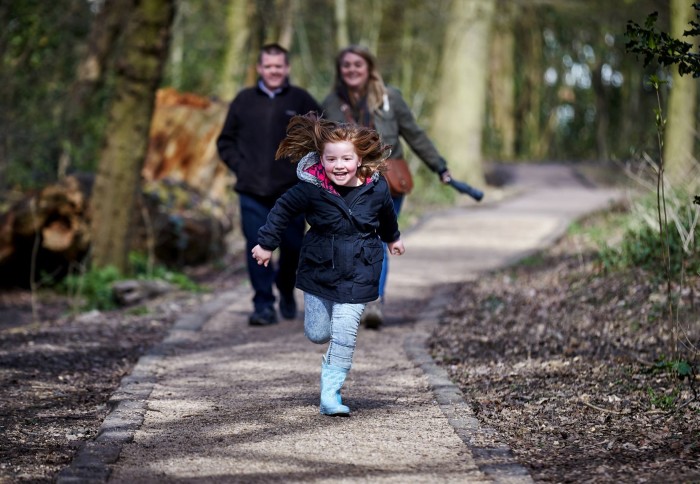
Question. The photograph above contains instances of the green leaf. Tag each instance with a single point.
(683, 368)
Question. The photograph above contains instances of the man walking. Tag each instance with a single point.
(255, 124)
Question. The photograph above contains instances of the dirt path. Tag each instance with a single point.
(219, 401)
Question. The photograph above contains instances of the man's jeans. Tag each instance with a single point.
(326, 321)
(254, 213)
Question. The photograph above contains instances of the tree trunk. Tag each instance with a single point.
(371, 18)
(238, 21)
(182, 144)
(106, 28)
(679, 136)
(602, 104)
(289, 10)
(117, 183)
(530, 96)
(502, 81)
(459, 113)
(342, 39)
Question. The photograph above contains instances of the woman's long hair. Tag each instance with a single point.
(309, 133)
(376, 89)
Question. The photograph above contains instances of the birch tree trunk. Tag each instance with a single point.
(461, 100)
(679, 136)
(139, 72)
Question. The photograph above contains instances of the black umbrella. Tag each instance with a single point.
(467, 189)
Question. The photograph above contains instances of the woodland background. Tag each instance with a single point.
(491, 80)
(560, 85)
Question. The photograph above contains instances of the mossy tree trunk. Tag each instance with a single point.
(502, 81)
(139, 71)
(459, 112)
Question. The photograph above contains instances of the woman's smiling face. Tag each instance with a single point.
(354, 71)
(340, 161)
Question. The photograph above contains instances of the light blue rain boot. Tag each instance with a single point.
(332, 379)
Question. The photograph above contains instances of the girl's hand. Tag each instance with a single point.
(396, 247)
(261, 255)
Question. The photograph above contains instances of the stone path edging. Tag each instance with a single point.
(498, 463)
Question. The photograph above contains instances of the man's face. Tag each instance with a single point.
(273, 70)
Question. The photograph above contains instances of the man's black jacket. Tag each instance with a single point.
(254, 127)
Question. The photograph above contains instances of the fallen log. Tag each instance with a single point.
(47, 234)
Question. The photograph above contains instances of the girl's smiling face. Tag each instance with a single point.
(340, 161)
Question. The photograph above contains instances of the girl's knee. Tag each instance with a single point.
(317, 337)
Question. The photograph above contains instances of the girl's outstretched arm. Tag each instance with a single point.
(396, 247)
(261, 255)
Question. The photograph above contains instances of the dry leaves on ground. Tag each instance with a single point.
(559, 359)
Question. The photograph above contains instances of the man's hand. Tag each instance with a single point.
(261, 255)
(396, 247)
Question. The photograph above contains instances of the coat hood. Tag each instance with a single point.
(310, 170)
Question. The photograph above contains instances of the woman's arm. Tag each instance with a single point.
(414, 135)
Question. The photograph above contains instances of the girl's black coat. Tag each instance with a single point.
(341, 256)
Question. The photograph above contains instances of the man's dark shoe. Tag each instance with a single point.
(372, 317)
(264, 317)
(288, 306)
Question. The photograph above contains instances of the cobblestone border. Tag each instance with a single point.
(496, 462)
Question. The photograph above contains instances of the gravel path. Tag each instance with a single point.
(220, 401)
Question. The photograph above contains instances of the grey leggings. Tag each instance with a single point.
(326, 321)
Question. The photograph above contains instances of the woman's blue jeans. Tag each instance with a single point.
(398, 201)
(327, 321)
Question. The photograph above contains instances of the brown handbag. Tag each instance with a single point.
(398, 176)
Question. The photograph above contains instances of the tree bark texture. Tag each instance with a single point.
(679, 135)
(104, 32)
(342, 39)
(459, 112)
(238, 21)
(530, 93)
(289, 10)
(139, 73)
(502, 80)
